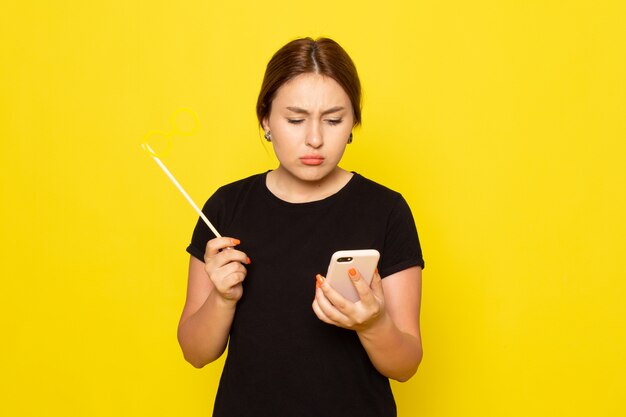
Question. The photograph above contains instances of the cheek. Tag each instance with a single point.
(339, 148)
(282, 127)
(284, 142)
(340, 136)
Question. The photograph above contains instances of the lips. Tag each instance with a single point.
(312, 159)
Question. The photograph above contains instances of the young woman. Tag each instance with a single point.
(296, 348)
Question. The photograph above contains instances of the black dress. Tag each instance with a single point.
(282, 360)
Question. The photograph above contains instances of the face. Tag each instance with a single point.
(310, 121)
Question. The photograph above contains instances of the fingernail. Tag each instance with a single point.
(319, 280)
(248, 261)
(235, 241)
(352, 272)
(376, 270)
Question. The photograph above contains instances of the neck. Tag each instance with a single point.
(292, 189)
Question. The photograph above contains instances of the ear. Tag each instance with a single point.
(265, 124)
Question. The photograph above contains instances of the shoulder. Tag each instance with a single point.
(231, 194)
(375, 191)
(239, 187)
(241, 184)
(370, 196)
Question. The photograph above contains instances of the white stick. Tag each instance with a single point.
(180, 188)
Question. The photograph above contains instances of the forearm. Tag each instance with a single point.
(203, 336)
(394, 353)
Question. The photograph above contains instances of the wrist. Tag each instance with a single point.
(222, 302)
(376, 326)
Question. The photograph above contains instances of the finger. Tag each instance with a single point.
(339, 312)
(216, 254)
(228, 276)
(223, 264)
(335, 297)
(362, 288)
(233, 272)
(232, 255)
(232, 281)
(377, 285)
(320, 314)
(214, 246)
(319, 281)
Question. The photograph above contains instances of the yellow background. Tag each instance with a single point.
(503, 123)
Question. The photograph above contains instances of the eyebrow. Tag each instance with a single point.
(303, 111)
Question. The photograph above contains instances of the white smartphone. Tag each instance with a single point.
(364, 260)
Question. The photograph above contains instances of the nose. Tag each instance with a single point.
(314, 137)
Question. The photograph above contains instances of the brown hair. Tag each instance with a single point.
(301, 56)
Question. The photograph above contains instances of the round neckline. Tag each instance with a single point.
(324, 202)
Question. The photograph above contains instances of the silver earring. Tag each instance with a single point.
(350, 138)
(268, 136)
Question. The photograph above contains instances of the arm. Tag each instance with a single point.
(394, 342)
(386, 319)
(213, 290)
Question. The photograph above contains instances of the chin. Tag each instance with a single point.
(311, 174)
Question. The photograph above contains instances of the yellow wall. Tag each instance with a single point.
(502, 122)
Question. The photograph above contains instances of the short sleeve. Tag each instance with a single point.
(213, 209)
(402, 248)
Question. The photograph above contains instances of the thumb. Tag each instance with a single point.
(377, 284)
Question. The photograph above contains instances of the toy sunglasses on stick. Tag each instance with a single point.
(154, 156)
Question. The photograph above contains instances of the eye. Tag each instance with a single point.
(334, 122)
(295, 121)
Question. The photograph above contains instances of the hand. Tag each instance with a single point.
(332, 308)
(224, 267)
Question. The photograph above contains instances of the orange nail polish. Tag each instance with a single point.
(376, 270)
(235, 241)
(319, 280)
(352, 272)
(248, 261)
